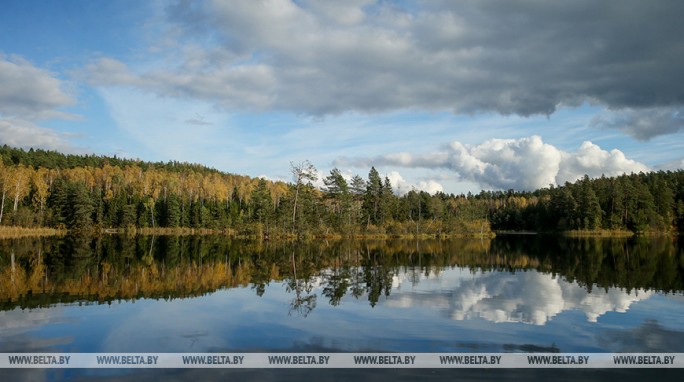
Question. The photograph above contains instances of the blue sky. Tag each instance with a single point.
(438, 95)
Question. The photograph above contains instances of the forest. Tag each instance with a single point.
(89, 193)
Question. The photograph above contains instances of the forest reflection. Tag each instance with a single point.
(38, 272)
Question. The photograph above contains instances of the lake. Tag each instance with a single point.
(210, 294)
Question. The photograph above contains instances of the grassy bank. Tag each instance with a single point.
(17, 232)
(598, 233)
(167, 231)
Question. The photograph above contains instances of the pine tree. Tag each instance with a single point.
(387, 201)
(173, 211)
(589, 210)
(340, 198)
(262, 204)
(372, 197)
(80, 211)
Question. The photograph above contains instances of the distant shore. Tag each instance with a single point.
(9, 232)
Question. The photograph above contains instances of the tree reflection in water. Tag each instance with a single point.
(38, 272)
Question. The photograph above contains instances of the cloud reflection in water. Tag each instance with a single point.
(527, 297)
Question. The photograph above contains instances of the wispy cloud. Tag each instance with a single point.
(197, 122)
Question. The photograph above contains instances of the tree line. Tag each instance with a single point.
(93, 193)
(639, 203)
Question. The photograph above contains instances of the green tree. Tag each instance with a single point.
(172, 215)
(262, 203)
(335, 184)
(589, 210)
(301, 172)
(357, 185)
(372, 198)
(80, 211)
(340, 198)
(387, 201)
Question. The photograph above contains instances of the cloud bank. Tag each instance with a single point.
(521, 164)
(327, 58)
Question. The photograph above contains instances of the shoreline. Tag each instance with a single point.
(11, 232)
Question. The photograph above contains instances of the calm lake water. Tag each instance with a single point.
(210, 294)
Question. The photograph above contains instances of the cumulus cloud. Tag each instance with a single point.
(521, 164)
(29, 92)
(322, 58)
(401, 186)
(591, 160)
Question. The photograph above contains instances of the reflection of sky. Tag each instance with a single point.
(456, 310)
(528, 297)
(19, 329)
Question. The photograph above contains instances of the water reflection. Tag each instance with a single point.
(528, 297)
(208, 294)
(650, 336)
(528, 280)
(16, 329)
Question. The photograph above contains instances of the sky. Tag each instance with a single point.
(453, 96)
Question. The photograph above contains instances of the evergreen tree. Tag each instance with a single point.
(589, 210)
(358, 185)
(336, 184)
(173, 211)
(262, 204)
(340, 198)
(387, 201)
(372, 198)
(80, 208)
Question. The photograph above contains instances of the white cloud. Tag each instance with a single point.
(25, 134)
(401, 186)
(591, 160)
(521, 164)
(29, 92)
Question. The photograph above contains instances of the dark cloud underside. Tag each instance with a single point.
(522, 57)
